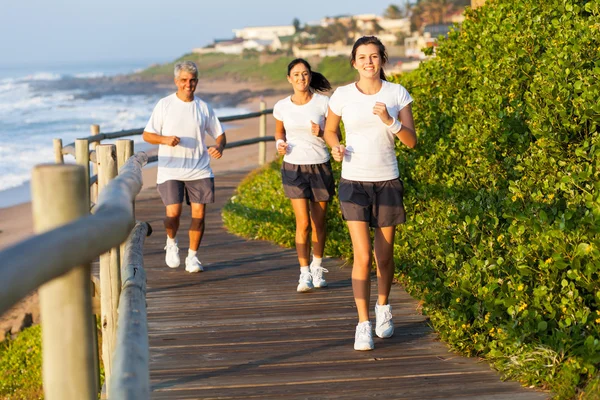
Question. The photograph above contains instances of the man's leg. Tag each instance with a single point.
(192, 264)
(171, 221)
(196, 226)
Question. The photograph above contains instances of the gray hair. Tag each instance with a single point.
(186, 66)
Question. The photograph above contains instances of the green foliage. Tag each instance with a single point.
(21, 366)
(502, 192)
(337, 70)
(503, 244)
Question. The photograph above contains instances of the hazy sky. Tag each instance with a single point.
(68, 31)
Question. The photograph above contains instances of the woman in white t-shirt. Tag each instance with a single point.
(306, 170)
(374, 112)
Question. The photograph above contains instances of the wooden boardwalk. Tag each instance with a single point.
(239, 330)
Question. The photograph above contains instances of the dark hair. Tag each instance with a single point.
(318, 82)
(382, 53)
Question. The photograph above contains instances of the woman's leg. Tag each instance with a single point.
(361, 282)
(318, 212)
(384, 258)
(301, 212)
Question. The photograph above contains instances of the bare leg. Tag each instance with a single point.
(300, 207)
(196, 226)
(318, 212)
(361, 280)
(384, 257)
(172, 219)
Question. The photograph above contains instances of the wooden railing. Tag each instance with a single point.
(57, 260)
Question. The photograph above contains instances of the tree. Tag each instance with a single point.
(393, 12)
(296, 23)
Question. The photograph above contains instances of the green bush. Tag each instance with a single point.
(502, 192)
(503, 244)
(21, 366)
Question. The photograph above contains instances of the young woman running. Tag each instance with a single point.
(306, 170)
(374, 112)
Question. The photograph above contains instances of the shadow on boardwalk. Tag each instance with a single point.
(239, 330)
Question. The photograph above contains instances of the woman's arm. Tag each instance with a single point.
(407, 134)
(332, 136)
(280, 139)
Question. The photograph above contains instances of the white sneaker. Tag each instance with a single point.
(172, 256)
(363, 338)
(192, 264)
(317, 276)
(384, 325)
(305, 283)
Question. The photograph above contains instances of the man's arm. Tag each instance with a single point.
(216, 151)
(154, 138)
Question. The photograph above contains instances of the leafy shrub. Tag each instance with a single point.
(503, 244)
(21, 366)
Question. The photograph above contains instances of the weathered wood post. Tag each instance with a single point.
(124, 151)
(82, 157)
(59, 197)
(262, 132)
(58, 155)
(94, 130)
(110, 274)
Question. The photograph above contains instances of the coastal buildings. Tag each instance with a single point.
(332, 36)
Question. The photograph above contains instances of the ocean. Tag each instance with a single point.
(40, 103)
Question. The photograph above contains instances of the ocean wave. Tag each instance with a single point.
(41, 76)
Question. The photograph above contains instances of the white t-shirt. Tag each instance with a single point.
(190, 121)
(304, 148)
(370, 148)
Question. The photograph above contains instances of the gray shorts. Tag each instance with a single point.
(200, 191)
(314, 181)
(378, 203)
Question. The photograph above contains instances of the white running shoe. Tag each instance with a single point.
(192, 264)
(363, 338)
(305, 283)
(317, 276)
(172, 256)
(384, 325)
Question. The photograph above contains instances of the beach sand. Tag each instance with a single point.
(16, 222)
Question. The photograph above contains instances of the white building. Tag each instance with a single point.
(264, 32)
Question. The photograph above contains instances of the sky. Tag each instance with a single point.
(53, 32)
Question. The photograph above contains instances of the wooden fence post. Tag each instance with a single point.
(124, 151)
(82, 157)
(94, 130)
(110, 273)
(262, 132)
(58, 197)
(58, 155)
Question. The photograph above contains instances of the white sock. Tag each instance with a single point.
(304, 269)
(192, 253)
(171, 241)
(316, 262)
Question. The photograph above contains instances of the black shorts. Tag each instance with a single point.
(200, 191)
(314, 181)
(378, 203)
